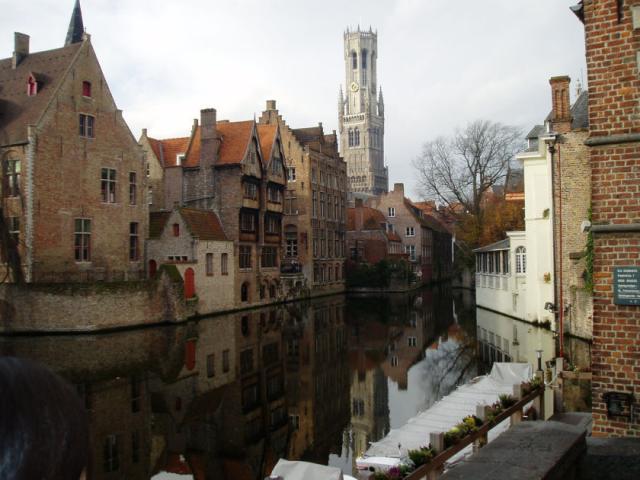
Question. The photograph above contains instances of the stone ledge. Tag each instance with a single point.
(528, 451)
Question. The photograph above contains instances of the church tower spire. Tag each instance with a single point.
(76, 27)
(361, 115)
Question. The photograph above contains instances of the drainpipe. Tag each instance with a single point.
(28, 228)
(557, 244)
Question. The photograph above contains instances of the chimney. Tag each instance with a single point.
(271, 105)
(398, 188)
(209, 139)
(20, 48)
(561, 104)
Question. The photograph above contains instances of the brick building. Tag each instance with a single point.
(236, 170)
(426, 242)
(368, 238)
(571, 190)
(612, 36)
(193, 240)
(73, 176)
(315, 202)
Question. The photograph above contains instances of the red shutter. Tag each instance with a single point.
(190, 355)
(189, 283)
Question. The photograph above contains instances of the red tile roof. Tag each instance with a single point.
(203, 224)
(372, 219)
(267, 135)
(235, 141)
(394, 237)
(17, 109)
(192, 158)
(167, 149)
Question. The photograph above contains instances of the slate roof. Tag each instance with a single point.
(501, 245)
(308, 135)
(580, 111)
(17, 109)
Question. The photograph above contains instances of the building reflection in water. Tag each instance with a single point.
(227, 396)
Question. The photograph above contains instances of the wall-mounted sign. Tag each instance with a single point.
(626, 285)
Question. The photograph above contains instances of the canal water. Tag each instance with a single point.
(227, 396)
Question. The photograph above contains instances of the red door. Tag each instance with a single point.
(153, 268)
(189, 283)
(190, 355)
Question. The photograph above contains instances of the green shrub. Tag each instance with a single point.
(507, 400)
(421, 456)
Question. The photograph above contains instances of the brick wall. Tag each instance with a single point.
(89, 307)
(66, 178)
(614, 86)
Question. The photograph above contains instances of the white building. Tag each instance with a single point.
(515, 276)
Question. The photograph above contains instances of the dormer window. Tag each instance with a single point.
(86, 89)
(32, 86)
(180, 158)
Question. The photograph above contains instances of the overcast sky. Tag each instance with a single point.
(441, 63)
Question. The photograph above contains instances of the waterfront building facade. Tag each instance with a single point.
(612, 41)
(73, 176)
(194, 242)
(361, 116)
(235, 169)
(368, 238)
(314, 204)
(427, 243)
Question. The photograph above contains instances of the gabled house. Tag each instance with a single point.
(426, 241)
(314, 204)
(73, 176)
(194, 241)
(236, 170)
(368, 238)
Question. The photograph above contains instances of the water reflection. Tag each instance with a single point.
(225, 397)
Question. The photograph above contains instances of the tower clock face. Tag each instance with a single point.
(354, 87)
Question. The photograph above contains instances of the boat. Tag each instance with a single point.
(393, 449)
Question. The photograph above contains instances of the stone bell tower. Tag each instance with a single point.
(361, 115)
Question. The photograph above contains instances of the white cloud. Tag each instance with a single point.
(441, 63)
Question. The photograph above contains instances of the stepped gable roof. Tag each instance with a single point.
(267, 135)
(501, 245)
(371, 218)
(17, 109)
(203, 224)
(308, 135)
(236, 137)
(168, 149)
(157, 222)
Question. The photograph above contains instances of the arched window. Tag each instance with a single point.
(521, 260)
(224, 264)
(272, 291)
(354, 60)
(364, 58)
(262, 291)
(244, 292)
(356, 137)
(32, 86)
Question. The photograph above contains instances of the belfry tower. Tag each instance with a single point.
(361, 115)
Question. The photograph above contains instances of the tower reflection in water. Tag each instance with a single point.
(227, 396)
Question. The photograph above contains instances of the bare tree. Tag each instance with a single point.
(462, 168)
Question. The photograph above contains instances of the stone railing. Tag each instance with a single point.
(479, 438)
